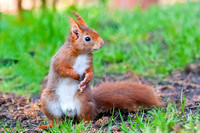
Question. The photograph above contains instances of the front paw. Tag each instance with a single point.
(82, 86)
(76, 76)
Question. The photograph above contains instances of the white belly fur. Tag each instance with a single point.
(67, 88)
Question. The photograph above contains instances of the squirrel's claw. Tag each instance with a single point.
(81, 88)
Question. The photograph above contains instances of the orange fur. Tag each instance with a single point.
(87, 109)
(123, 95)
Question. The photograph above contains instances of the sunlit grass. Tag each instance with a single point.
(162, 119)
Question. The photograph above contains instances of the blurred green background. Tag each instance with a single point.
(151, 42)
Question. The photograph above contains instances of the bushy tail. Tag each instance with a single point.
(124, 95)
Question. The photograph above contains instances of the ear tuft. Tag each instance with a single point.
(79, 19)
(72, 21)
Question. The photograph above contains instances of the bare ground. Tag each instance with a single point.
(26, 110)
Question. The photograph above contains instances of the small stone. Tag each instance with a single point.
(102, 121)
(190, 68)
(2, 101)
(22, 118)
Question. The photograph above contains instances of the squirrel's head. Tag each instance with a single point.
(82, 37)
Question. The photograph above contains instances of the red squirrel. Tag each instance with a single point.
(68, 91)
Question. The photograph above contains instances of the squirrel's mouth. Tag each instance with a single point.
(94, 50)
(97, 48)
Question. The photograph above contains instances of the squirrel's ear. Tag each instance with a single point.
(75, 28)
(79, 19)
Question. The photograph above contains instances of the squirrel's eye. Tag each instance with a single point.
(87, 39)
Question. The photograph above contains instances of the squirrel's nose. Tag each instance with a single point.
(102, 42)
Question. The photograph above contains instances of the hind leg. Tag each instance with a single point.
(87, 112)
(86, 108)
(51, 108)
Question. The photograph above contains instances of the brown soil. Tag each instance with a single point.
(26, 110)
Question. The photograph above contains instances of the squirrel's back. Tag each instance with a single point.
(124, 95)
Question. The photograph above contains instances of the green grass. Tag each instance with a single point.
(155, 120)
(163, 120)
(153, 42)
